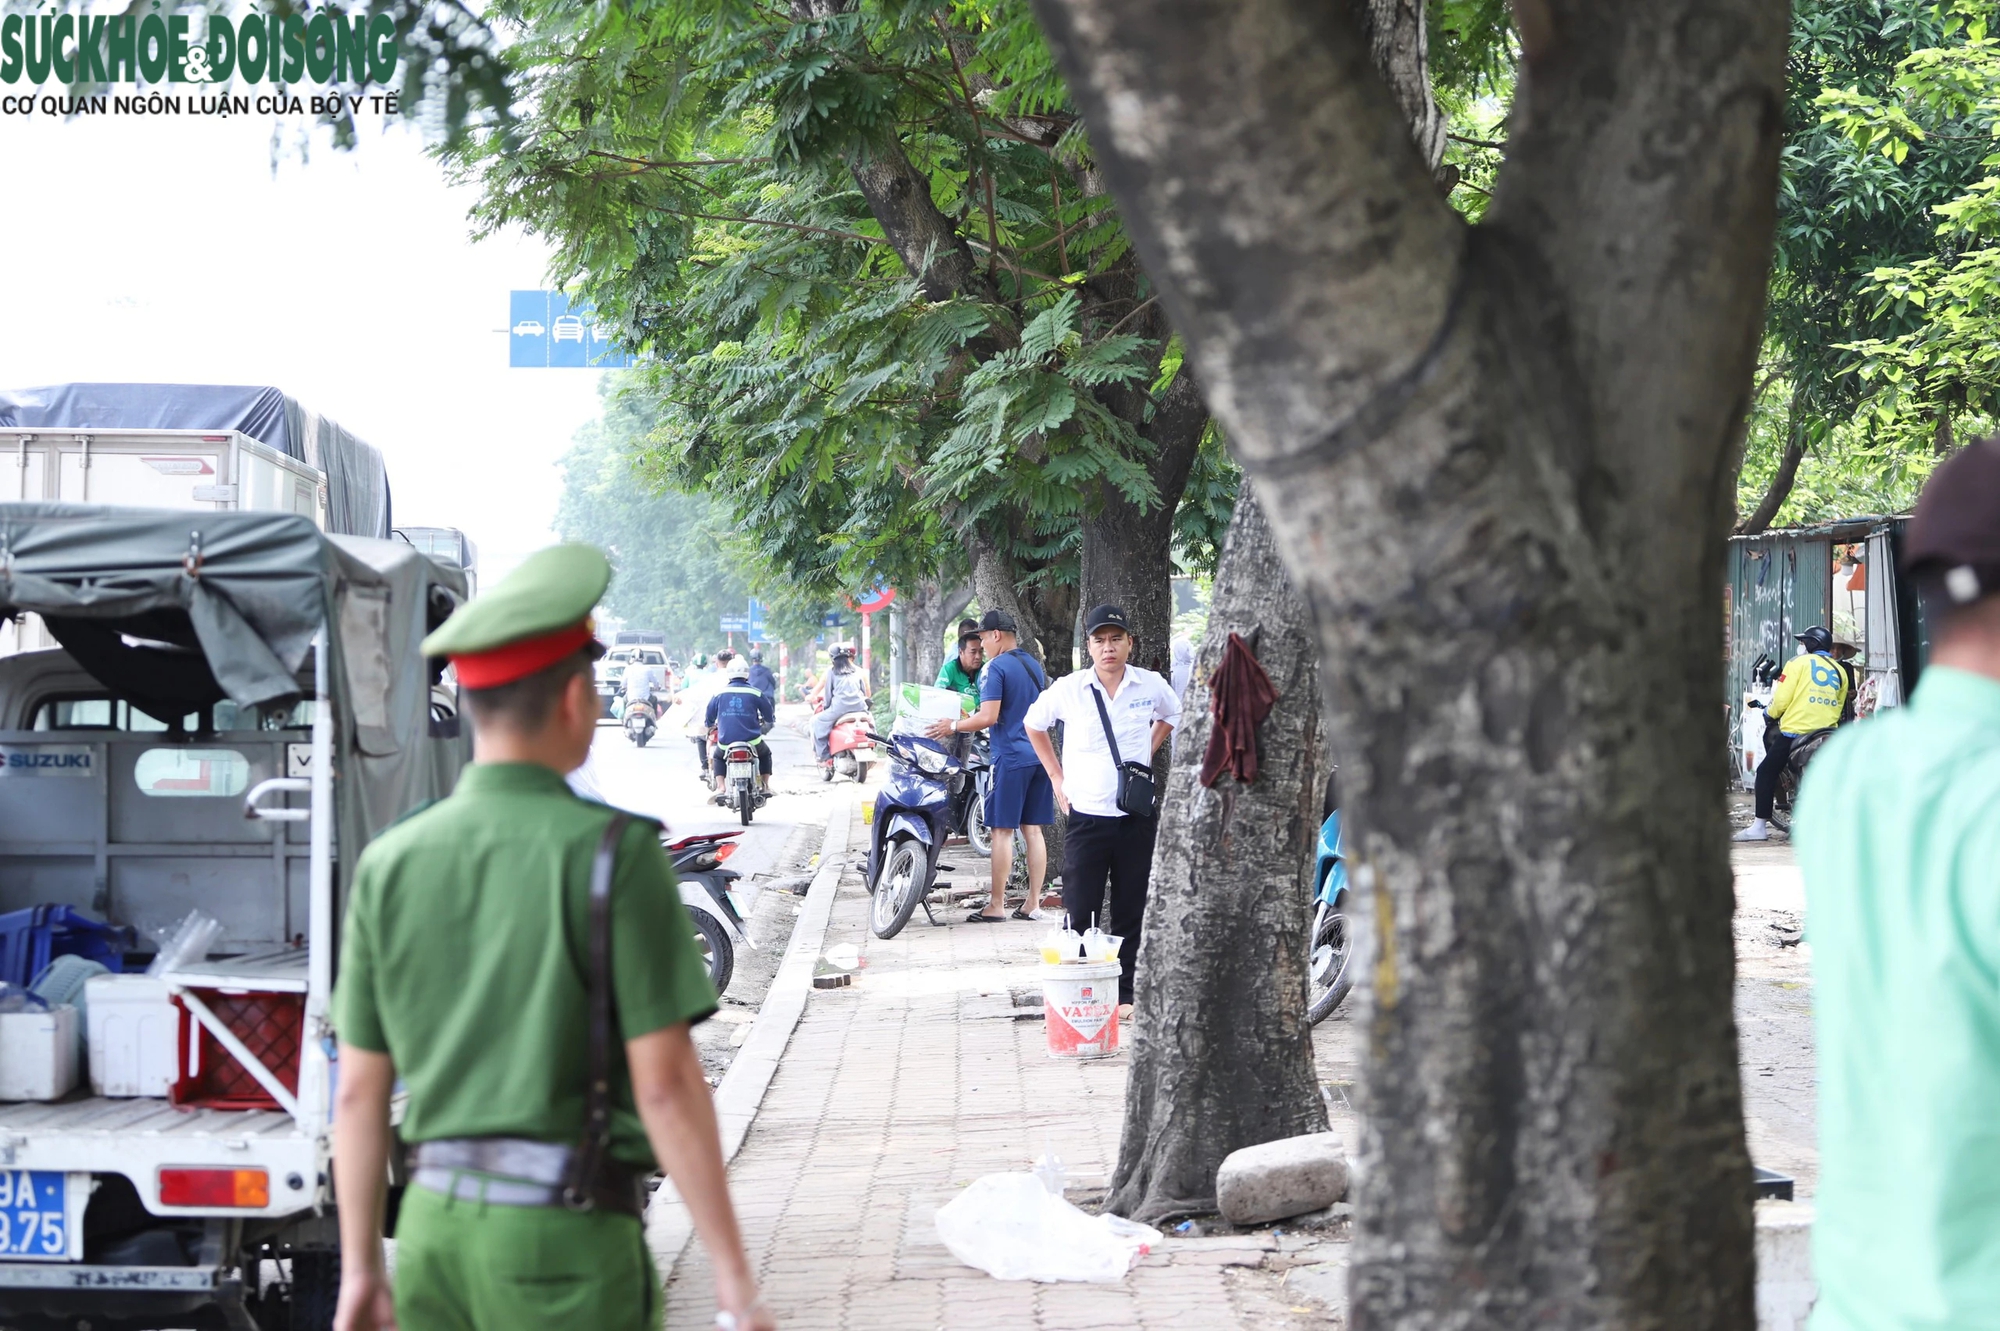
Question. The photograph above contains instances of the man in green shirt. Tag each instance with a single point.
(466, 969)
(1898, 833)
(961, 672)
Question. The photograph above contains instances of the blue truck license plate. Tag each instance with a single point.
(34, 1214)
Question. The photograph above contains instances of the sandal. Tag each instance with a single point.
(979, 918)
(1019, 914)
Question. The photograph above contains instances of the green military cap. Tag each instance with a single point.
(530, 619)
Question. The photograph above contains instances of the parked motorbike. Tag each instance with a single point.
(711, 905)
(641, 719)
(968, 797)
(912, 818)
(852, 747)
(1330, 974)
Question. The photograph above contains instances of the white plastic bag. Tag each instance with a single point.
(1012, 1228)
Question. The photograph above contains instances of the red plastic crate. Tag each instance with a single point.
(272, 1026)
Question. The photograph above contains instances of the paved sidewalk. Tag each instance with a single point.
(899, 1090)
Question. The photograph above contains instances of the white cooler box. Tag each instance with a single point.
(37, 1054)
(134, 1035)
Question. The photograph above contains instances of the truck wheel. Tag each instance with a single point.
(717, 950)
(315, 1288)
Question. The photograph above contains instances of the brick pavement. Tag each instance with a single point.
(899, 1090)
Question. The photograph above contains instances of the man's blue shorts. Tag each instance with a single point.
(1020, 797)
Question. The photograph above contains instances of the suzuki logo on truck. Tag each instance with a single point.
(45, 762)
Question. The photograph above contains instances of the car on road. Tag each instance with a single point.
(530, 328)
(569, 328)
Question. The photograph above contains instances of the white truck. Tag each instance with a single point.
(201, 447)
(236, 706)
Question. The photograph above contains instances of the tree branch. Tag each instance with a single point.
(1202, 115)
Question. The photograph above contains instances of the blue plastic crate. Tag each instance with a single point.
(28, 938)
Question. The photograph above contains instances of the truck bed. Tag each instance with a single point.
(137, 1137)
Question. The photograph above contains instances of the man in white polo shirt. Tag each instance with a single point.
(1101, 841)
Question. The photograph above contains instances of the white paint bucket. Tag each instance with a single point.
(1080, 1009)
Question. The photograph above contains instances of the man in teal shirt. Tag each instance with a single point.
(1898, 834)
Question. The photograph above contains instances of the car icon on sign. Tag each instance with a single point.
(528, 328)
(600, 333)
(569, 328)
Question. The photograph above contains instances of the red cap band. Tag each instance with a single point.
(518, 660)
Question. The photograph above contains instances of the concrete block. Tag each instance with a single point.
(1289, 1177)
(1786, 1290)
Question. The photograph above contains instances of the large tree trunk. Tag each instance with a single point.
(929, 609)
(1224, 1057)
(1498, 462)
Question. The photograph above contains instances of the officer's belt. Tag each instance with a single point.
(518, 1171)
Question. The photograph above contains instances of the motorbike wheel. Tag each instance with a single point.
(1331, 973)
(898, 887)
(746, 802)
(976, 830)
(716, 949)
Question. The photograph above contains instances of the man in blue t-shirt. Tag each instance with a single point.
(1021, 795)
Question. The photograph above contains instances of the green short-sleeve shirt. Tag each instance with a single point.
(953, 676)
(467, 949)
(1898, 834)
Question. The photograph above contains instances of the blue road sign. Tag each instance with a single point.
(756, 617)
(735, 624)
(546, 331)
(830, 620)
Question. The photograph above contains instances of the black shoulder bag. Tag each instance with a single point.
(1138, 795)
(595, 1180)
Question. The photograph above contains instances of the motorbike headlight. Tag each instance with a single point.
(931, 761)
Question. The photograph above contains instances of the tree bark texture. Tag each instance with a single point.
(1498, 461)
(1224, 1058)
(929, 609)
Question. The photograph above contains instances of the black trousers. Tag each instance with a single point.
(1777, 751)
(1118, 851)
(763, 757)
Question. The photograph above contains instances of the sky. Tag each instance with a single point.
(167, 250)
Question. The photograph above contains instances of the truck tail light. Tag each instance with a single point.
(250, 1188)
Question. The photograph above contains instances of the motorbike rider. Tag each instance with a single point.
(701, 686)
(761, 677)
(1808, 698)
(844, 691)
(741, 714)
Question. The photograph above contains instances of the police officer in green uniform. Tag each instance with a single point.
(1898, 835)
(472, 945)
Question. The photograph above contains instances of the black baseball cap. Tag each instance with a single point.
(997, 621)
(1954, 537)
(1105, 616)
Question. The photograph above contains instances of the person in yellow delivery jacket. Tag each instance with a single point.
(1810, 695)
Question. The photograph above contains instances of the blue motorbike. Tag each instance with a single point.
(913, 815)
(1331, 973)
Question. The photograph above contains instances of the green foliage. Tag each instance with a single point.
(1940, 356)
(695, 162)
(666, 549)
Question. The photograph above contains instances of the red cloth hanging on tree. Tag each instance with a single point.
(1240, 696)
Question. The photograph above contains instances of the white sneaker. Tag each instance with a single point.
(1759, 830)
